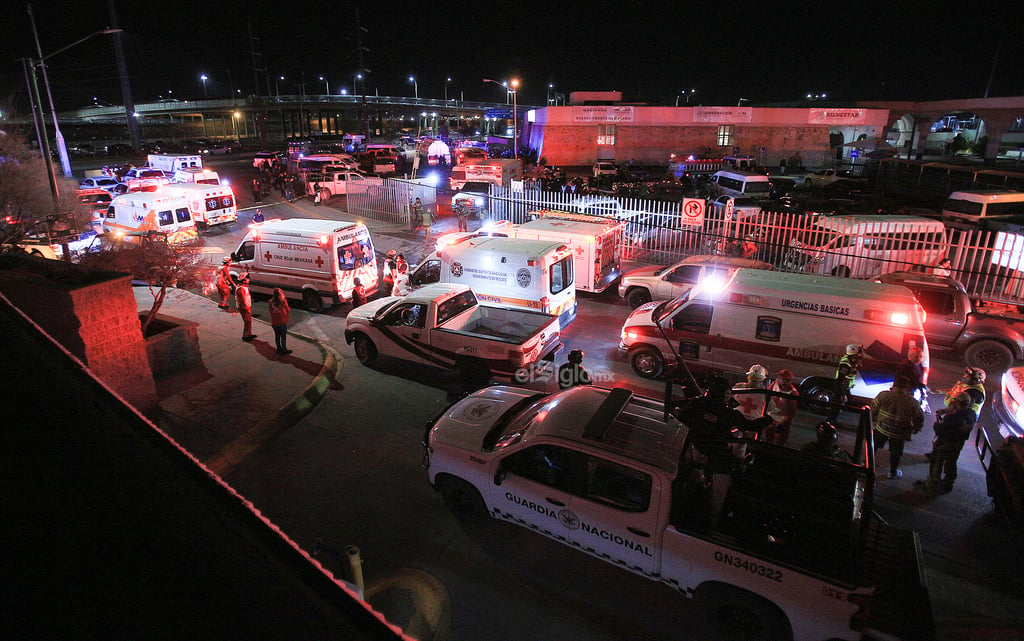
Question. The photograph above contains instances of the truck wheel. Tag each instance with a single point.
(638, 296)
(733, 613)
(312, 301)
(818, 393)
(647, 362)
(365, 350)
(808, 183)
(325, 194)
(463, 500)
(842, 271)
(991, 356)
(473, 374)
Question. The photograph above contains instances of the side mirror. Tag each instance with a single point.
(234, 257)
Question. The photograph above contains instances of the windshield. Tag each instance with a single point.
(512, 425)
(815, 238)
(668, 307)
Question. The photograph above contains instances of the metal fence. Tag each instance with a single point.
(990, 264)
(389, 199)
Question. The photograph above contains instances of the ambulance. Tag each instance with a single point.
(780, 320)
(133, 214)
(594, 241)
(210, 205)
(312, 260)
(526, 274)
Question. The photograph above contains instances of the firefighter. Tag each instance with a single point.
(846, 375)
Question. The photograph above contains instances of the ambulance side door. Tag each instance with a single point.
(690, 331)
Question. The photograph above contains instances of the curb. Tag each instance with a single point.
(229, 456)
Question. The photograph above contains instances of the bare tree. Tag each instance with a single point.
(26, 200)
(157, 263)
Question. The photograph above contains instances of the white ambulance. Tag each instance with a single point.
(795, 321)
(315, 261)
(133, 214)
(171, 163)
(210, 205)
(537, 275)
(595, 242)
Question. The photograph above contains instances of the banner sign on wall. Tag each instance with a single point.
(722, 114)
(603, 113)
(836, 116)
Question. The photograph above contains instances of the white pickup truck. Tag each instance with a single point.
(333, 183)
(443, 325)
(772, 543)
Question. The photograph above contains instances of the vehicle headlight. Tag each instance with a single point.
(479, 202)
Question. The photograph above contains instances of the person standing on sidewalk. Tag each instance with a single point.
(225, 283)
(896, 416)
(280, 311)
(243, 300)
(415, 214)
(846, 376)
(428, 222)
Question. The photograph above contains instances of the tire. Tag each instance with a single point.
(463, 500)
(637, 296)
(991, 356)
(808, 184)
(734, 614)
(312, 301)
(325, 194)
(647, 362)
(842, 271)
(365, 350)
(817, 393)
(473, 374)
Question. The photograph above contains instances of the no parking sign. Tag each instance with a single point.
(693, 212)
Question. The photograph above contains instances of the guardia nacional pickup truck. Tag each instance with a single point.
(778, 545)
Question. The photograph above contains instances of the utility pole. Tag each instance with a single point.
(260, 115)
(134, 135)
(363, 115)
(40, 123)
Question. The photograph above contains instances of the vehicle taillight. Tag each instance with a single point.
(545, 303)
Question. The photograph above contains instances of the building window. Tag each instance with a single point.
(606, 134)
(726, 136)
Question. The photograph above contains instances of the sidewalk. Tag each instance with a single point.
(243, 393)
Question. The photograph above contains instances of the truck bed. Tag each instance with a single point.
(499, 323)
(892, 563)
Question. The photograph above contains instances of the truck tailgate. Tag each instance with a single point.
(901, 607)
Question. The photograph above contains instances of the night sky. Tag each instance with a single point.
(766, 52)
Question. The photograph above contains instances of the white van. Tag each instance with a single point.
(170, 163)
(866, 246)
(974, 208)
(527, 274)
(312, 260)
(735, 182)
(196, 175)
(794, 321)
(133, 214)
(210, 204)
(595, 242)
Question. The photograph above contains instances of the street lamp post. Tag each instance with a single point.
(686, 93)
(515, 119)
(327, 85)
(446, 81)
(355, 86)
(415, 86)
(277, 87)
(41, 63)
(204, 78)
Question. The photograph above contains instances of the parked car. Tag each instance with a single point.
(119, 149)
(644, 284)
(224, 147)
(604, 168)
(99, 182)
(472, 199)
(743, 207)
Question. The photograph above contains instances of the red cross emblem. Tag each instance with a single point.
(267, 256)
(319, 262)
(579, 250)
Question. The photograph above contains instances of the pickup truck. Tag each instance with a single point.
(989, 341)
(444, 325)
(771, 542)
(333, 183)
(826, 177)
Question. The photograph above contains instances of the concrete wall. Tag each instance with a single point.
(93, 316)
